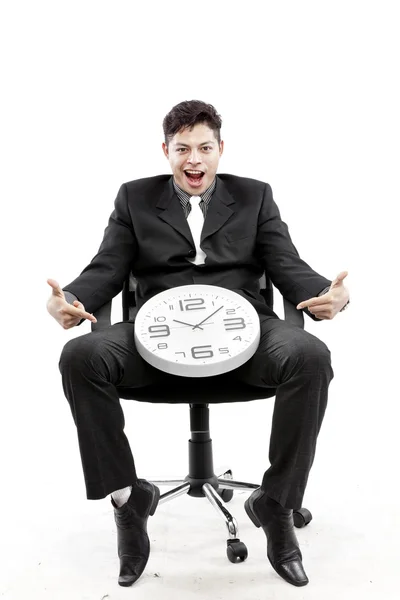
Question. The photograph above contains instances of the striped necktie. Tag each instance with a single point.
(195, 221)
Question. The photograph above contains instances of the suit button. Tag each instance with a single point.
(192, 253)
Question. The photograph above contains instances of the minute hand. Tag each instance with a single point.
(206, 319)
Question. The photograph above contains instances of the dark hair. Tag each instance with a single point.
(188, 114)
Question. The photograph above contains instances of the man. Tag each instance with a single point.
(243, 236)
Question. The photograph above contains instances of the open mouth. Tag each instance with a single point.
(194, 177)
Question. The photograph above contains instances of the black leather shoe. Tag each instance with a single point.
(131, 520)
(282, 546)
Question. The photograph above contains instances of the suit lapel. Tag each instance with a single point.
(172, 212)
(217, 214)
(218, 210)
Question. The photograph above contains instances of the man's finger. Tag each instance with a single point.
(321, 308)
(79, 305)
(57, 291)
(339, 279)
(307, 303)
(85, 315)
(77, 312)
(318, 302)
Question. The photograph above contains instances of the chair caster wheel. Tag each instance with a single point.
(301, 517)
(236, 551)
(226, 495)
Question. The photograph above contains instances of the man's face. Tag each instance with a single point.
(194, 157)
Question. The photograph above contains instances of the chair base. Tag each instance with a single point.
(218, 489)
(236, 550)
(209, 489)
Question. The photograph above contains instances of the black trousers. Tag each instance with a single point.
(289, 358)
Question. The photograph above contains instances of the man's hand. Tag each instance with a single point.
(68, 315)
(328, 305)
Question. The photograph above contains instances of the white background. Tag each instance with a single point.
(308, 94)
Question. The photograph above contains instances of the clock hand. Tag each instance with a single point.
(183, 323)
(206, 319)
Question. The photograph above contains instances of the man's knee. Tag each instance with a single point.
(76, 352)
(318, 355)
(316, 348)
(308, 351)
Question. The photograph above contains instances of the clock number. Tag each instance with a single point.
(159, 330)
(198, 353)
(223, 350)
(192, 304)
(231, 311)
(238, 338)
(160, 319)
(184, 354)
(235, 323)
(162, 346)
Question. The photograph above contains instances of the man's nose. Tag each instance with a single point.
(194, 157)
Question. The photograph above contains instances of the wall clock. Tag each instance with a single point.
(197, 330)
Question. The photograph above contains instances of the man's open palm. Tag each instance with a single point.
(67, 315)
(328, 305)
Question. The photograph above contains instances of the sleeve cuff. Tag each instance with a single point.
(345, 306)
(70, 298)
(325, 290)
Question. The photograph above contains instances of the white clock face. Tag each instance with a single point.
(197, 330)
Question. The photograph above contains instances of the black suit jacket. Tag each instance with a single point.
(243, 236)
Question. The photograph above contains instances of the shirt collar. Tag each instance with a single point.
(184, 197)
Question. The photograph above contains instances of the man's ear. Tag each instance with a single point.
(165, 149)
(221, 147)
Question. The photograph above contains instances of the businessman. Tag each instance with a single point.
(242, 237)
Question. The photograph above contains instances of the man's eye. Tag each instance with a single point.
(179, 149)
(207, 148)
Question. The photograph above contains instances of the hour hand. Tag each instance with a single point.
(183, 323)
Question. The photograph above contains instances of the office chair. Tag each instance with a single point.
(201, 480)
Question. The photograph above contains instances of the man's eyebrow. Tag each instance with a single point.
(202, 144)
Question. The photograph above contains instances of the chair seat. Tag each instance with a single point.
(197, 390)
